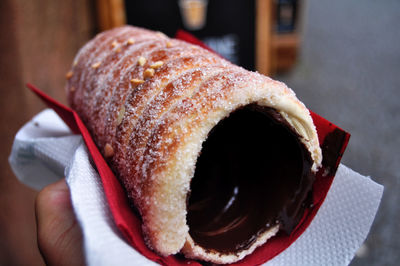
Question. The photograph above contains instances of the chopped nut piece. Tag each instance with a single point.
(157, 64)
(131, 41)
(69, 74)
(118, 50)
(75, 63)
(72, 89)
(108, 150)
(169, 44)
(141, 61)
(137, 81)
(114, 44)
(148, 73)
(162, 35)
(121, 114)
(96, 65)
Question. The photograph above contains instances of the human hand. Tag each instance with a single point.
(59, 236)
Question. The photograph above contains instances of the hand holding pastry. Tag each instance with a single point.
(58, 233)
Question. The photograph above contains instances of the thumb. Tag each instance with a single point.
(59, 235)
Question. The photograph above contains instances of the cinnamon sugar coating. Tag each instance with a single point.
(152, 126)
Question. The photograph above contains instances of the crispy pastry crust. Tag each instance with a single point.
(150, 102)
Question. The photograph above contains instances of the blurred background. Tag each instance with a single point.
(342, 58)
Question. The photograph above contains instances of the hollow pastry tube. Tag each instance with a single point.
(215, 158)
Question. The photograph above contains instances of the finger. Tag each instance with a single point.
(59, 235)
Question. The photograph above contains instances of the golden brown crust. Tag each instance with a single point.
(150, 102)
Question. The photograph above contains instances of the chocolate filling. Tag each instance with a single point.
(253, 172)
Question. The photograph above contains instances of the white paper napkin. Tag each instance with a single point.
(45, 150)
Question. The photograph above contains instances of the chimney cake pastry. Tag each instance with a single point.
(215, 158)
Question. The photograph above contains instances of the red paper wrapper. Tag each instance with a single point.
(333, 142)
